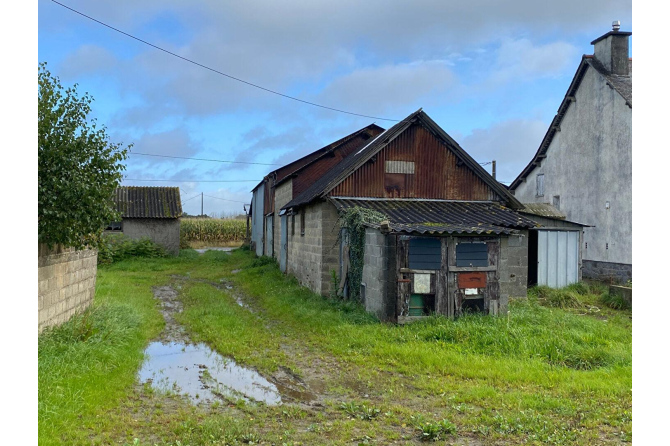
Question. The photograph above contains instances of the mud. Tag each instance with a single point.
(175, 364)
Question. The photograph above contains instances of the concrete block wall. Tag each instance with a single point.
(607, 271)
(377, 267)
(162, 231)
(66, 280)
(313, 255)
(513, 268)
(283, 194)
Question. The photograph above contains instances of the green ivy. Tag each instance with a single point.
(354, 220)
(78, 167)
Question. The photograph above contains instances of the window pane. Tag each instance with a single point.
(472, 254)
(425, 253)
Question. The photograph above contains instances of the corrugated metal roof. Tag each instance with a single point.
(148, 202)
(543, 210)
(442, 216)
(345, 168)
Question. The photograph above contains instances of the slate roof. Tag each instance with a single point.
(441, 216)
(621, 84)
(341, 171)
(148, 202)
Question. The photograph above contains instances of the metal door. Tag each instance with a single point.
(557, 258)
(283, 243)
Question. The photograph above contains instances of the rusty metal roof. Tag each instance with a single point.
(148, 202)
(441, 216)
(322, 186)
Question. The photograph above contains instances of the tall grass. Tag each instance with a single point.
(213, 230)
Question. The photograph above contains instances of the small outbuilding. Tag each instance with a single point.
(149, 212)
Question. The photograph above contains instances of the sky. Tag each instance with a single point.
(491, 74)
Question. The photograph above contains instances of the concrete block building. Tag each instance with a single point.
(583, 166)
(149, 212)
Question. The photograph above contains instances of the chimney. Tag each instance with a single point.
(611, 50)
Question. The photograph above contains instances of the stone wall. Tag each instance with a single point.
(513, 268)
(66, 283)
(163, 231)
(379, 274)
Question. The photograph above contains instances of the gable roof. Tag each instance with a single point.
(621, 84)
(423, 216)
(346, 167)
(286, 171)
(148, 202)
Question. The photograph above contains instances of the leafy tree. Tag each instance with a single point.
(78, 167)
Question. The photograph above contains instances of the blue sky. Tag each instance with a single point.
(491, 74)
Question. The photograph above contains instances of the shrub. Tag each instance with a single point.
(116, 247)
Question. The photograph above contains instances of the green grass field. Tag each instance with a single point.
(542, 375)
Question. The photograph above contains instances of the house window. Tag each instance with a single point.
(557, 202)
(302, 223)
(472, 254)
(540, 185)
(425, 253)
(114, 226)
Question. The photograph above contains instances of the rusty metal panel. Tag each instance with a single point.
(437, 172)
(472, 280)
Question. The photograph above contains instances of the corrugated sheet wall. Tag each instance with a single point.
(436, 176)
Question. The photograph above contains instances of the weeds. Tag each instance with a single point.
(117, 247)
(360, 411)
(433, 430)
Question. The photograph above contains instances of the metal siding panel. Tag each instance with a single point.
(562, 259)
(542, 257)
(573, 257)
(268, 236)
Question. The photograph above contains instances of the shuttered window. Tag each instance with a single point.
(540, 184)
(472, 254)
(425, 253)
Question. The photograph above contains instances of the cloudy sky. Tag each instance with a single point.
(490, 73)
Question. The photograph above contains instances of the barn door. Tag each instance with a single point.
(557, 258)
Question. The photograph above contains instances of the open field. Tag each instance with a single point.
(542, 375)
(210, 232)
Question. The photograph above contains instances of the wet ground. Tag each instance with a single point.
(201, 250)
(175, 364)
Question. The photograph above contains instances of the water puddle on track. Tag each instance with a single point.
(175, 364)
(199, 373)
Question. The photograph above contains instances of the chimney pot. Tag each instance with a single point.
(616, 25)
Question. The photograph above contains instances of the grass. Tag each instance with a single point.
(552, 372)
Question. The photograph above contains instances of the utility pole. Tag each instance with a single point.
(202, 212)
(493, 169)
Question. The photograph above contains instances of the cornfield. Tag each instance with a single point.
(213, 230)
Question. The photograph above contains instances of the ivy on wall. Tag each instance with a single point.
(354, 220)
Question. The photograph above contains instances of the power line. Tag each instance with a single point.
(220, 72)
(225, 199)
(195, 196)
(203, 159)
(196, 181)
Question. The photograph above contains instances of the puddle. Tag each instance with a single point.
(174, 363)
(203, 375)
(214, 249)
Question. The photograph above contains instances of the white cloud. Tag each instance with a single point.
(520, 60)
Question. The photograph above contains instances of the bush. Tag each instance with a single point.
(614, 301)
(116, 247)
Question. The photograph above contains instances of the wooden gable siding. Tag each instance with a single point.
(437, 173)
(320, 167)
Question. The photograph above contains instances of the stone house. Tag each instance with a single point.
(451, 238)
(149, 212)
(583, 166)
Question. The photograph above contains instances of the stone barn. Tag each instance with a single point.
(149, 212)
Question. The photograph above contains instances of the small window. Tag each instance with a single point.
(540, 185)
(557, 202)
(425, 253)
(114, 226)
(472, 254)
(302, 223)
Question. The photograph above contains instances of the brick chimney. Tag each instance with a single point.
(611, 50)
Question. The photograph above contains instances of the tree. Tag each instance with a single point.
(78, 167)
